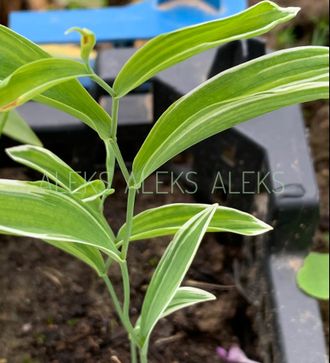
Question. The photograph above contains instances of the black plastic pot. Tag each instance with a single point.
(265, 168)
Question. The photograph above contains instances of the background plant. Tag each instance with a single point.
(67, 211)
(14, 126)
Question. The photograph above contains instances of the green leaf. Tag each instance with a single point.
(168, 219)
(172, 269)
(69, 97)
(168, 49)
(87, 42)
(92, 194)
(32, 79)
(313, 277)
(187, 296)
(90, 190)
(19, 130)
(87, 254)
(234, 96)
(32, 211)
(47, 163)
(3, 120)
(55, 169)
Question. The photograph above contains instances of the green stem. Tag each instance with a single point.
(129, 221)
(124, 320)
(134, 357)
(108, 263)
(111, 156)
(120, 160)
(110, 162)
(115, 112)
(102, 84)
(144, 354)
(127, 288)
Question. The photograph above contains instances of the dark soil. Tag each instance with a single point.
(55, 309)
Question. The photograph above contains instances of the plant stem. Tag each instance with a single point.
(129, 220)
(144, 354)
(111, 157)
(110, 163)
(120, 160)
(102, 84)
(124, 320)
(134, 357)
(127, 288)
(115, 111)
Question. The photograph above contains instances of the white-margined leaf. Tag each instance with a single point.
(18, 129)
(172, 269)
(48, 164)
(168, 219)
(187, 296)
(239, 94)
(168, 49)
(35, 78)
(28, 210)
(70, 97)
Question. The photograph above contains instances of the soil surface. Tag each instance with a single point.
(54, 309)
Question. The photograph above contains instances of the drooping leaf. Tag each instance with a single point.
(36, 212)
(168, 219)
(19, 130)
(313, 277)
(87, 254)
(187, 296)
(56, 170)
(168, 49)
(69, 97)
(172, 269)
(234, 96)
(47, 163)
(33, 79)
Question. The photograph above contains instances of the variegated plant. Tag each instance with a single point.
(67, 211)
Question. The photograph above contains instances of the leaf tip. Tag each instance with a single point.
(293, 10)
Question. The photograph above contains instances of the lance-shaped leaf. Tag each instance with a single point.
(168, 49)
(172, 269)
(18, 129)
(87, 254)
(56, 170)
(168, 219)
(313, 277)
(69, 97)
(234, 96)
(32, 211)
(187, 296)
(47, 163)
(32, 79)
